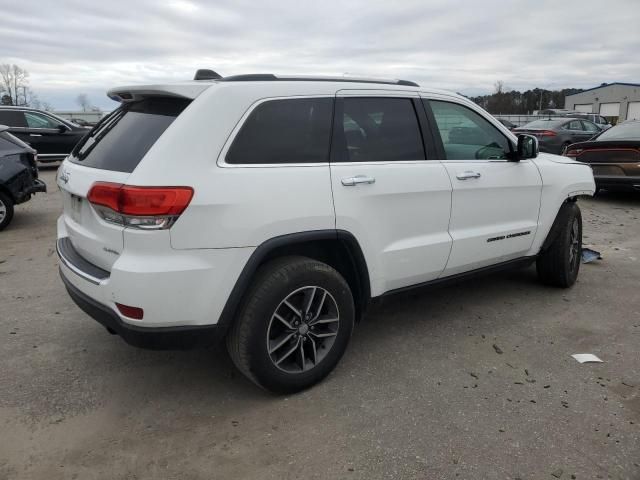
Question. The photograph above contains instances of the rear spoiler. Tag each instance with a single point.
(138, 92)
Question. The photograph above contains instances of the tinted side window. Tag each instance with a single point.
(12, 118)
(378, 130)
(574, 125)
(285, 131)
(466, 135)
(122, 139)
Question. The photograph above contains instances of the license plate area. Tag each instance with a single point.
(75, 207)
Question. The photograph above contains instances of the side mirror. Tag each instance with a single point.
(62, 128)
(527, 147)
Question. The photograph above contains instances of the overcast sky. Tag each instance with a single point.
(87, 46)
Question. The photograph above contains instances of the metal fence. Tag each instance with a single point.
(93, 117)
(520, 120)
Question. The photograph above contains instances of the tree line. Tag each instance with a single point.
(507, 101)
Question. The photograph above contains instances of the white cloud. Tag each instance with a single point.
(73, 46)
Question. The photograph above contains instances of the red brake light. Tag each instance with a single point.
(154, 200)
(149, 208)
(105, 194)
(548, 133)
(141, 201)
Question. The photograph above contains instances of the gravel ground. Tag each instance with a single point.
(470, 381)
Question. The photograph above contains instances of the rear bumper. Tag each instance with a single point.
(36, 185)
(158, 338)
(183, 293)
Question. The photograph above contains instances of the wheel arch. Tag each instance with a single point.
(556, 226)
(338, 248)
(8, 192)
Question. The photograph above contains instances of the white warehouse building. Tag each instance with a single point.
(615, 101)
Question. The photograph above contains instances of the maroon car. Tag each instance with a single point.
(614, 156)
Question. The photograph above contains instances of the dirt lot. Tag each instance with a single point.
(472, 381)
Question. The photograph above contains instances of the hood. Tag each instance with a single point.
(559, 159)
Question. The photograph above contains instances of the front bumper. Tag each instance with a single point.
(154, 338)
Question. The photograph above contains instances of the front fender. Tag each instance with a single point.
(563, 179)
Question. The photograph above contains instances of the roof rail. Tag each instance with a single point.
(270, 77)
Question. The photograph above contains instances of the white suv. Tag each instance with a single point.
(270, 211)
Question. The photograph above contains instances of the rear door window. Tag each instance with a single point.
(12, 118)
(377, 130)
(122, 139)
(293, 130)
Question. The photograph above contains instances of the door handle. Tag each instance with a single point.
(358, 179)
(35, 134)
(467, 175)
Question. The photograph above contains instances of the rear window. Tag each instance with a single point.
(122, 139)
(285, 131)
(624, 131)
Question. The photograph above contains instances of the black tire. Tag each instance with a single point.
(560, 263)
(6, 210)
(250, 342)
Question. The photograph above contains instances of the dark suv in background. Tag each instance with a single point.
(53, 137)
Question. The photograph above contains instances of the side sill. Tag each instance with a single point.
(439, 282)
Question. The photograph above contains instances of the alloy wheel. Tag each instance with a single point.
(574, 244)
(303, 329)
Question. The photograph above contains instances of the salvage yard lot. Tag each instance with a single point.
(473, 380)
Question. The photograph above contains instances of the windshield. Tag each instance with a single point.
(624, 131)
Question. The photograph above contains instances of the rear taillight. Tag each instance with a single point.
(547, 133)
(148, 208)
(573, 152)
(33, 160)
